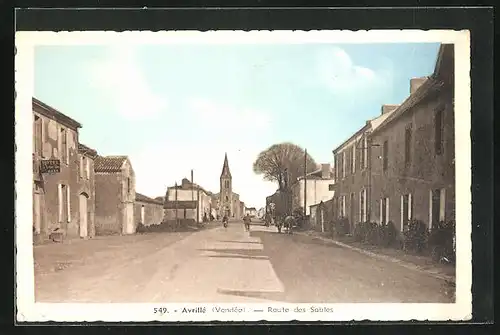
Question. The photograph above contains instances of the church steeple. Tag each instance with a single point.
(225, 167)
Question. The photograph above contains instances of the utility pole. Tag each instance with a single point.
(175, 201)
(305, 182)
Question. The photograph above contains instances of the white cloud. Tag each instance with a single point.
(337, 70)
(210, 114)
(165, 163)
(119, 76)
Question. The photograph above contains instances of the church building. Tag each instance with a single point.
(228, 201)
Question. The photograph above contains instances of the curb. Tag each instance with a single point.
(404, 264)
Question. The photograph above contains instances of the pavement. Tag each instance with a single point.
(225, 265)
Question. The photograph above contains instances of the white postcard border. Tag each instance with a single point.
(28, 310)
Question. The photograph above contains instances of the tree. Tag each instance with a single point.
(283, 163)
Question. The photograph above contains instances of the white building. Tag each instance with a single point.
(318, 187)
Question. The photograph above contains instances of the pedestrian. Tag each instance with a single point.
(246, 221)
(289, 222)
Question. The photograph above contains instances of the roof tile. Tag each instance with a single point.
(109, 163)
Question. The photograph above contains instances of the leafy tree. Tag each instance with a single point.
(283, 163)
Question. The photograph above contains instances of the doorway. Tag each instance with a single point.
(37, 213)
(83, 215)
(128, 215)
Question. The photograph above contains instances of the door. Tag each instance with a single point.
(128, 224)
(83, 215)
(37, 213)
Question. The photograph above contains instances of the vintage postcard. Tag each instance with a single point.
(243, 176)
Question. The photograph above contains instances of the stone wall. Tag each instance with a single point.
(46, 186)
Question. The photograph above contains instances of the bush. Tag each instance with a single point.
(441, 241)
(416, 237)
(141, 228)
(342, 226)
(388, 234)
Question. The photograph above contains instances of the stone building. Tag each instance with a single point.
(352, 177)
(58, 204)
(148, 211)
(86, 196)
(400, 165)
(187, 201)
(229, 202)
(115, 195)
(414, 178)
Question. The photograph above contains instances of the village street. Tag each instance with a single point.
(223, 265)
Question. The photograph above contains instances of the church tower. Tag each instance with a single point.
(226, 190)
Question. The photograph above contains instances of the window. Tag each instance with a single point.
(128, 186)
(408, 133)
(353, 213)
(63, 145)
(406, 210)
(353, 163)
(438, 131)
(82, 167)
(37, 135)
(365, 153)
(63, 203)
(362, 205)
(385, 154)
(384, 210)
(437, 206)
(87, 168)
(68, 204)
(227, 198)
(343, 164)
(342, 206)
(226, 183)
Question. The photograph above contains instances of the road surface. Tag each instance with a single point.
(224, 265)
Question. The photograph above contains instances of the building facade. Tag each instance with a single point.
(228, 201)
(148, 211)
(414, 178)
(115, 195)
(400, 165)
(352, 172)
(86, 193)
(317, 187)
(57, 185)
(187, 201)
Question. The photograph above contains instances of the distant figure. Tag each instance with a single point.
(246, 221)
(211, 217)
(205, 217)
(225, 220)
(289, 222)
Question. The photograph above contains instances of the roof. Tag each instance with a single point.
(429, 87)
(432, 85)
(54, 114)
(187, 204)
(251, 208)
(109, 163)
(225, 167)
(84, 150)
(142, 198)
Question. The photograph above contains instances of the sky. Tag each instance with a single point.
(173, 108)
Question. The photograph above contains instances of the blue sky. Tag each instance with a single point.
(173, 108)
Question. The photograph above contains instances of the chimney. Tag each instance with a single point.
(388, 108)
(325, 171)
(415, 83)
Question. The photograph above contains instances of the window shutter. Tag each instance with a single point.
(386, 210)
(442, 204)
(402, 211)
(68, 201)
(381, 204)
(410, 207)
(60, 202)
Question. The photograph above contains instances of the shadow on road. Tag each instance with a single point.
(239, 256)
(250, 242)
(273, 296)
